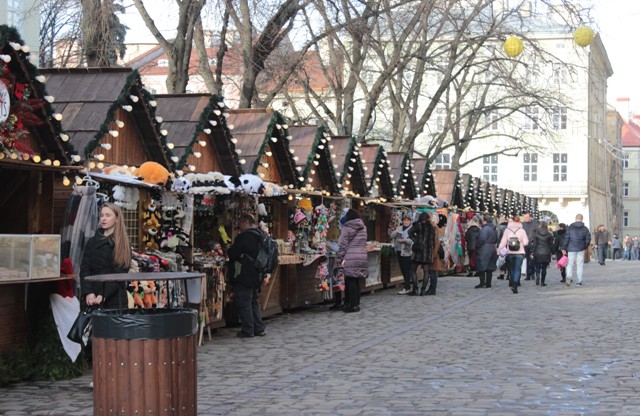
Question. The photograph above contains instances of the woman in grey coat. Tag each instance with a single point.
(486, 254)
(352, 255)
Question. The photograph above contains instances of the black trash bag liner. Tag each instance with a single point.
(140, 324)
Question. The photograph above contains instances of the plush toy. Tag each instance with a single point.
(218, 253)
(262, 210)
(232, 182)
(149, 299)
(181, 184)
(305, 204)
(223, 235)
(251, 184)
(126, 197)
(202, 183)
(149, 204)
(153, 173)
(173, 237)
(271, 189)
(136, 293)
(117, 170)
(151, 229)
(299, 217)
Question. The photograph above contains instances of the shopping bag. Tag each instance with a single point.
(80, 331)
(501, 261)
(523, 269)
(562, 263)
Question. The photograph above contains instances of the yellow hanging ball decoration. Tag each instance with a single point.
(513, 46)
(583, 36)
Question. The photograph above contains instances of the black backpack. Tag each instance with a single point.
(514, 242)
(267, 258)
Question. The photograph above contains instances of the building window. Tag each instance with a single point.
(491, 120)
(163, 63)
(530, 167)
(559, 167)
(531, 118)
(14, 13)
(490, 168)
(625, 219)
(625, 161)
(440, 115)
(559, 118)
(625, 189)
(443, 161)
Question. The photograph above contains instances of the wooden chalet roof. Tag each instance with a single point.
(348, 164)
(186, 117)
(45, 138)
(311, 146)
(500, 199)
(402, 175)
(484, 197)
(89, 100)
(376, 166)
(424, 179)
(256, 130)
(493, 197)
(447, 186)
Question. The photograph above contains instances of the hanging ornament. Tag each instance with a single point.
(513, 46)
(583, 36)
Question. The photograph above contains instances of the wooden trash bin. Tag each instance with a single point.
(144, 362)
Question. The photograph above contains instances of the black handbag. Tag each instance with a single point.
(80, 331)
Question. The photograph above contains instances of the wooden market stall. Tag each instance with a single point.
(262, 139)
(448, 188)
(310, 281)
(110, 119)
(401, 172)
(34, 158)
(203, 151)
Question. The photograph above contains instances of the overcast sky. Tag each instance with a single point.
(617, 21)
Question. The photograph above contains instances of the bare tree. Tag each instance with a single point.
(178, 50)
(60, 35)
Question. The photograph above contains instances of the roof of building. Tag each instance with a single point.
(311, 145)
(187, 116)
(88, 99)
(631, 132)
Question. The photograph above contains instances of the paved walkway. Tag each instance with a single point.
(545, 351)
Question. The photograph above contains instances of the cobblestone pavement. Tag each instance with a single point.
(552, 350)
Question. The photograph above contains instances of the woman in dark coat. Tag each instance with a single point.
(352, 255)
(542, 243)
(558, 238)
(422, 233)
(108, 251)
(470, 238)
(486, 253)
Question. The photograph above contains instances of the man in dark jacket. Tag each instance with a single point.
(602, 241)
(576, 241)
(246, 278)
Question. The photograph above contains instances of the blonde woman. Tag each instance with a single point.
(108, 251)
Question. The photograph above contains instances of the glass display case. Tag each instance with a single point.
(26, 257)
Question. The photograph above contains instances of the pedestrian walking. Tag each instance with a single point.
(107, 252)
(503, 226)
(628, 243)
(636, 248)
(246, 279)
(422, 234)
(616, 245)
(558, 240)
(541, 247)
(514, 239)
(402, 244)
(470, 237)
(530, 226)
(352, 255)
(439, 263)
(576, 241)
(602, 241)
(486, 254)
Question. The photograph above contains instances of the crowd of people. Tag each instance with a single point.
(517, 246)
